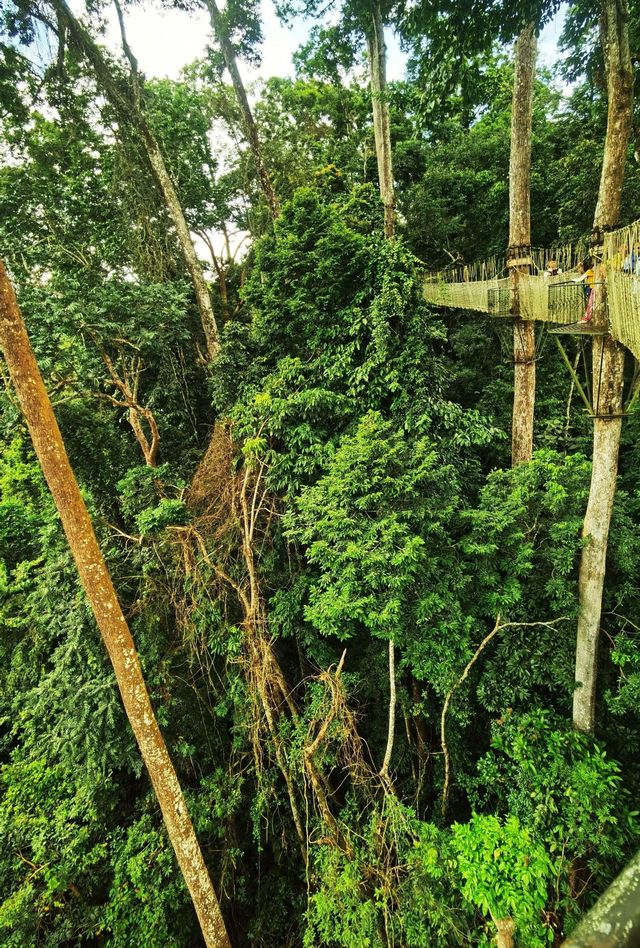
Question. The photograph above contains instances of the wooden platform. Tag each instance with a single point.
(579, 329)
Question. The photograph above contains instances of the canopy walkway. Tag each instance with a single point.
(561, 299)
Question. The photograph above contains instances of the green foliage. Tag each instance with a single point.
(364, 899)
(312, 376)
(518, 511)
(337, 915)
(147, 899)
(523, 543)
(562, 785)
(378, 431)
(51, 821)
(336, 123)
(361, 523)
(167, 513)
(506, 874)
(626, 657)
(180, 115)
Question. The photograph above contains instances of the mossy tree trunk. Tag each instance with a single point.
(608, 370)
(524, 338)
(381, 121)
(127, 105)
(614, 921)
(250, 129)
(95, 578)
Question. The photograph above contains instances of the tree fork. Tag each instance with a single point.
(524, 339)
(608, 370)
(96, 580)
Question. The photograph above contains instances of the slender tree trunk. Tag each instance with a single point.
(95, 578)
(608, 370)
(219, 28)
(381, 122)
(524, 338)
(391, 728)
(382, 136)
(174, 209)
(127, 105)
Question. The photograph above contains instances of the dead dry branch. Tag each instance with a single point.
(125, 377)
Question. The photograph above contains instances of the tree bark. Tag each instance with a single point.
(608, 370)
(505, 928)
(228, 53)
(174, 209)
(381, 121)
(391, 728)
(126, 103)
(614, 33)
(524, 339)
(95, 578)
(614, 921)
(382, 136)
(524, 389)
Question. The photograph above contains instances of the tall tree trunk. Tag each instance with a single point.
(382, 136)
(228, 53)
(174, 209)
(608, 369)
(95, 578)
(381, 122)
(127, 105)
(524, 338)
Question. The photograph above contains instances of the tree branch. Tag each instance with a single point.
(384, 770)
(498, 627)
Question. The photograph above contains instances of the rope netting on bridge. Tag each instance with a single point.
(556, 287)
(483, 287)
(622, 273)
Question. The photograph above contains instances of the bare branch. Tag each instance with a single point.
(384, 770)
(133, 62)
(498, 627)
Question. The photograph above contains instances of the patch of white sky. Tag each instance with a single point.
(165, 41)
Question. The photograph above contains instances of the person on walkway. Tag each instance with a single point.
(587, 275)
(552, 270)
(631, 262)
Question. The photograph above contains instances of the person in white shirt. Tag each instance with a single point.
(552, 270)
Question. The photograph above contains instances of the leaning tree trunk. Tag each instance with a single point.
(381, 121)
(228, 53)
(524, 338)
(608, 369)
(128, 107)
(614, 921)
(95, 578)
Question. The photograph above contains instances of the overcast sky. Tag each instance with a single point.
(165, 41)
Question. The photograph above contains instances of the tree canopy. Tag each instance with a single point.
(333, 478)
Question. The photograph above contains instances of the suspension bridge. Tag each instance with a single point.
(558, 298)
